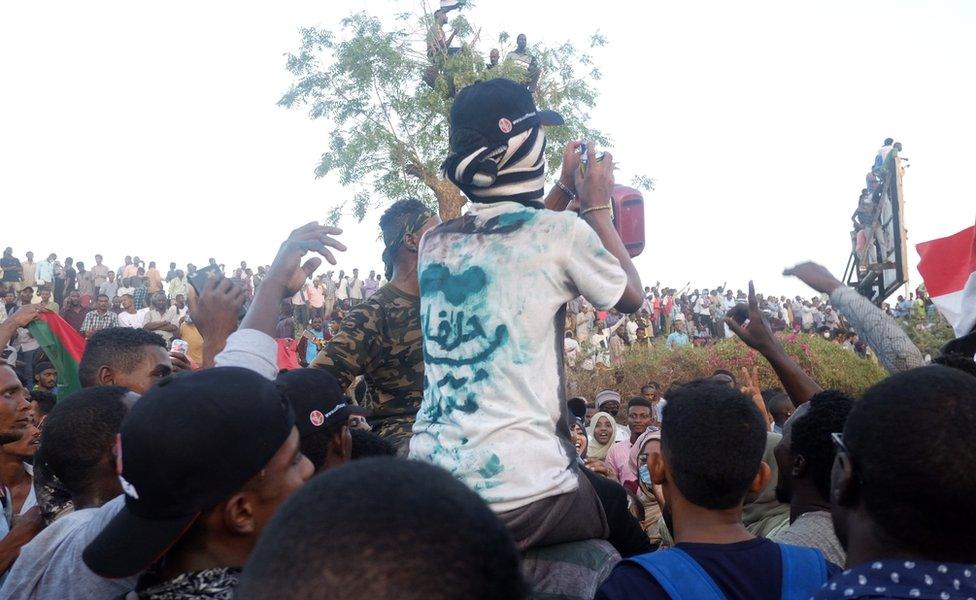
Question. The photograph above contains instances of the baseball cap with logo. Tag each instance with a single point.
(186, 445)
(488, 113)
(316, 398)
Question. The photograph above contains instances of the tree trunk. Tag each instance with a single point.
(449, 198)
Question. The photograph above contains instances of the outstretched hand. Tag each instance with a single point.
(25, 315)
(288, 271)
(754, 331)
(288, 274)
(753, 389)
(815, 276)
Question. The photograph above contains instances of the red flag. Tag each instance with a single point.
(948, 266)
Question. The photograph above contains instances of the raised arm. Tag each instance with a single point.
(893, 347)
(253, 345)
(758, 335)
(595, 188)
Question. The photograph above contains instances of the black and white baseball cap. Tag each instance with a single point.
(488, 113)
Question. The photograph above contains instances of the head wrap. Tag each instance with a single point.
(393, 238)
(604, 396)
(652, 433)
(596, 449)
(511, 172)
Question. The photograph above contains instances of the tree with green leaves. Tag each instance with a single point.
(388, 91)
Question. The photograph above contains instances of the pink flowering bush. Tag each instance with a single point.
(829, 364)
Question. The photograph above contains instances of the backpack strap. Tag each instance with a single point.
(804, 571)
(679, 574)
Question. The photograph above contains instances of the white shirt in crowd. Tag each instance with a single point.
(342, 289)
(50, 566)
(493, 347)
(134, 320)
(356, 289)
(171, 316)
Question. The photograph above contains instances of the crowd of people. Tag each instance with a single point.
(419, 443)
(598, 339)
(873, 236)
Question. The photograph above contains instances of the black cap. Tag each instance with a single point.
(189, 443)
(316, 398)
(487, 113)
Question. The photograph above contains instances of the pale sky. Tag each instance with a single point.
(152, 129)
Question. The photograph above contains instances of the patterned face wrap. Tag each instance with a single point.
(513, 172)
(394, 239)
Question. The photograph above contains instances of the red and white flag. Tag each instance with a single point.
(948, 267)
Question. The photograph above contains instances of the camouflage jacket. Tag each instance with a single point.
(380, 339)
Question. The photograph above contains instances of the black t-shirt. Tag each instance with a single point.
(9, 274)
(750, 570)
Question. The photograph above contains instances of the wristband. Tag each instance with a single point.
(570, 193)
(607, 206)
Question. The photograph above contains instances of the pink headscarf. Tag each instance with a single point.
(652, 433)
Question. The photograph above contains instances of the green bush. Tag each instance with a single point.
(829, 364)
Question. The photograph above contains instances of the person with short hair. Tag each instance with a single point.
(640, 418)
(14, 424)
(380, 339)
(44, 295)
(678, 338)
(78, 447)
(779, 406)
(130, 316)
(100, 318)
(201, 530)
(109, 287)
(42, 403)
(29, 270)
(804, 457)
(176, 285)
(321, 416)
(651, 391)
(16, 471)
(73, 312)
(366, 444)
(133, 358)
(154, 279)
(12, 270)
(140, 290)
(161, 318)
(332, 539)
(99, 273)
(901, 504)
(710, 458)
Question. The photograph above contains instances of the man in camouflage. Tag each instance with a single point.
(380, 338)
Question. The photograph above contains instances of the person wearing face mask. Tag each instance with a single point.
(652, 500)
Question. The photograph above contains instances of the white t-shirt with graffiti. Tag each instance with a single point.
(493, 283)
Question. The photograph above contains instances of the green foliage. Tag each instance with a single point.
(928, 333)
(391, 128)
(828, 363)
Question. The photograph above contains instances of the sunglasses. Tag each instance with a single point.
(838, 439)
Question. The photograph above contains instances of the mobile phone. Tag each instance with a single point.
(584, 158)
(199, 279)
